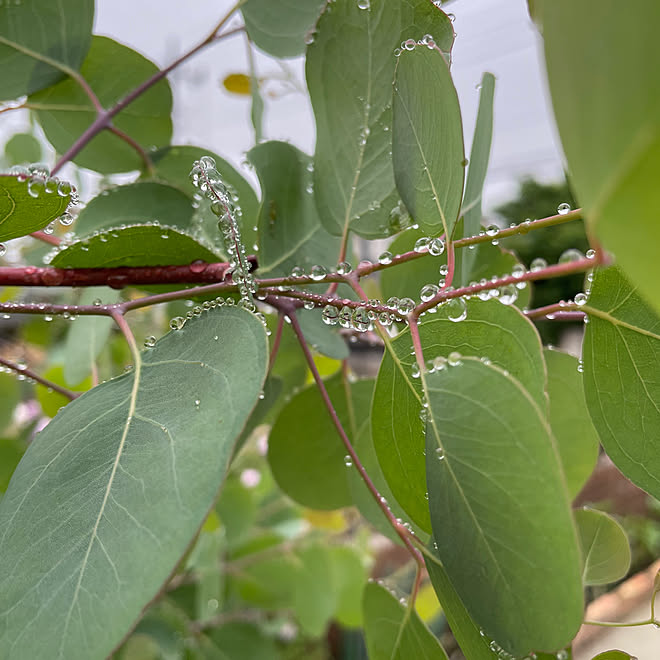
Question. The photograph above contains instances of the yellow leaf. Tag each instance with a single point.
(333, 521)
(427, 605)
(237, 83)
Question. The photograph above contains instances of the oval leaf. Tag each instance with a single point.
(20, 213)
(110, 494)
(304, 451)
(572, 428)
(491, 330)
(353, 177)
(605, 548)
(621, 352)
(112, 71)
(427, 140)
(500, 508)
(38, 39)
(390, 634)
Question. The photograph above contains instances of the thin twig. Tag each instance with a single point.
(148, 163)
(28, 373)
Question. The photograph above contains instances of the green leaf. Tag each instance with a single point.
(621, 352)
(139, 245)
(22, 148)
(471, 639)
(315, 593)
(279, 27)
(243, 641)
(614, 655)
(290, 231)
(427, 140)
(409, 277)
(305, 452)
(393, 633)
(479, 157)
(613, 155)
(10, 395)
(39, 41)
(321, 337)
(20, 213)
(11, 451)
(349, 81)
(576, 437)
(269, 583)
(112, 71)
(136, 204)
(605, 548)
(172, 165)
(119, 483)
(361, 495)
(87, 337)
(50, 400)
(500, 507)
(491, 330)
(237, 510)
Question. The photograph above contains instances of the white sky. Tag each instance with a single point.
(494, 35)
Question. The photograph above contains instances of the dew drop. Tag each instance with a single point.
(422, 244)
(297, 271)
(36, 185)
(444, 270)
(207, 162)
(508, 294)
(492, 230)
(150, 342)
(308, 304)
(456, 310)
(66, 219)
(360, 319)
(344, 268)
(436, 247)
(345, 316)
(385, 258)
(364, 4)
(177, 323)
(570, 255)
(405, 306)
(414, 370)
(518, 270)
(564, 208)
(538, 264)
(440, 453)
(454, 359)
(591, 254)
(317, 273)
(580, 298)
(348, 461)
(428, 292)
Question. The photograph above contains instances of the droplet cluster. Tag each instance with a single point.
(206, 177)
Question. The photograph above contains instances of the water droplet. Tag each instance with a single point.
(456, 310)
(422, 244)
(454, 359)
(436, 247)
(360, 320)
(385, 258)
(444, 270)
(591, 254)
(66, 219)
(580, 298)
(405, 306)
(177, 323)
(439, 363)
(414, 370)
(580, 366)
(538, 264)
(308, 304)
(36, 185)
(409, 44)
(428, 292)
(50, 228)
(564, 208)
(207, 162)
(364, 4)
(150, 342)
(508, 294)
(348, 461)
(570, 255)
(518, 270)
(344, 268)
(440, 453)
(492, 230)
(297, 271)
(317, 273)
(345, 316)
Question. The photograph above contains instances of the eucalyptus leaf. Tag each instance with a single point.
(572, 428)
(137, 245)
(22, 148)
(349, 81)
(279, 27)
(427, 140)
(479, 157)
(40, 42)
(157, 440)
(21, 213)
(605, 548)
(10, 395)
(392, 633)
(490, 330)
(606, 106)
(290, 231)
(305, 452)
(112, 71)
(621, 351)
(500, 507)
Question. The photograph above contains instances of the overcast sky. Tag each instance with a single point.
(493, 35)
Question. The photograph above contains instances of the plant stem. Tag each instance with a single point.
(560, 311)
(614, 624)
(46, 238)
(146, 160)
(39, 379)
(400, 530)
